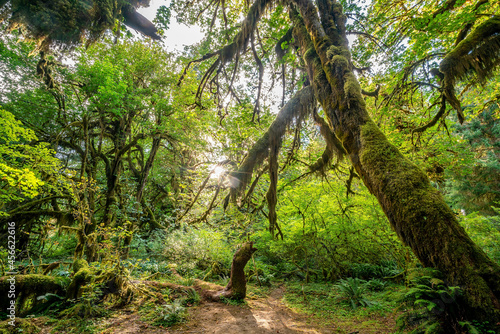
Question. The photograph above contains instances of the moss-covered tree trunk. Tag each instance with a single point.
(236, 289)
(415, 209)
(26, 289)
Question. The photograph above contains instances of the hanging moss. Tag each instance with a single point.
(474, 58)
(294, 111)
(67, 22)
(477, 55)
(59, 20)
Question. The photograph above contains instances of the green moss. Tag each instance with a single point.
(424, 222)
(477, 54)
(322, 44)
(83, 310)
(83, 275)
(319, 75)
(352, 90)
(339, 61)
(384, 160)
(28, 287)
(337, 8)
(310, 55)
(21, 326)
(337, 51)
(402, 188)
(244, 253)
(66, 21)
(79, 264)
(333, 51)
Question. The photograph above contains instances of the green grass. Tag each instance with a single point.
(74, 325)
(255, 291)
(324, 302)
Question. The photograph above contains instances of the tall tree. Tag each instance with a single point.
(121, 131)
(415, 209)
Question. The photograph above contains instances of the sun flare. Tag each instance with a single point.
(217, 172)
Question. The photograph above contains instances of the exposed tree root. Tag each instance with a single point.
(235, 289)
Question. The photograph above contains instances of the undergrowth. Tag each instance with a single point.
(330, 304)
(433, 307)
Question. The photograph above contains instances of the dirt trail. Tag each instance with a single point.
(259, 316)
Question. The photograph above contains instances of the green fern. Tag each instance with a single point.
(171, 314)
(192, 298)
(376, 284)
(430, 305)
(352, 290)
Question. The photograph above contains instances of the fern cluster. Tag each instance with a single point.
(352, 290)
(432, 307)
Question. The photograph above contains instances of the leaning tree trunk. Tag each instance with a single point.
(236, 289)
(415, 209)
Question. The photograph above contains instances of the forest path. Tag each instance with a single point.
(260, 315)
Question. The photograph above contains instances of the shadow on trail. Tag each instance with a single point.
(259, 317)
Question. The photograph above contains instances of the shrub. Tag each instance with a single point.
(192, 298)
(192, 248)
(369, 270)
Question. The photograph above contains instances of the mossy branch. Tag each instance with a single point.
(434, 120)
(71, 22)
(373, 93)
(475, 58)
(296, 108)
(20, 208)
(232, 50)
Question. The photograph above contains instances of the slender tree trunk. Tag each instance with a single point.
(91, 246)
(112, 184)
(415, 209)
(147, 168)
(141, 185)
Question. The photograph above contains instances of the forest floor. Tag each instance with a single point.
(260, 314)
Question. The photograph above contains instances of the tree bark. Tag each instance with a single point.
(415, 209)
